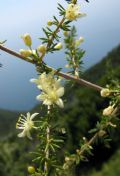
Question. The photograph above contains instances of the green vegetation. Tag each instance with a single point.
(7, 122)
(111, 168)
(79, 116)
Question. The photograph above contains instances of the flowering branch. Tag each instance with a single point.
(64, 75)
(86, 147)
(52, 91)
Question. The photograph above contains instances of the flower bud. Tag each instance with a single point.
(78, 151)
(49, 23)
(27, 39)
(81, 39)
(77, 42)
(63, 130)
(101, 133)
(31, 169)
(58, 46)
(25, 53)
(105, 92)
(84, 138)
(65, 33)
(42, 49)
(67, 158)
(67, 66)
(108, 111)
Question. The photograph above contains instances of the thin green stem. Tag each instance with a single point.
(47, 152)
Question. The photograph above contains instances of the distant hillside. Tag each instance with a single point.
(96, 72)
(111, 168)
(7, 121)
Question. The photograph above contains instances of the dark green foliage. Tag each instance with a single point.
(112, 168)
(7, 121)
(14, 156)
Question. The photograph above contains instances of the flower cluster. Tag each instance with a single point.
(52, 91)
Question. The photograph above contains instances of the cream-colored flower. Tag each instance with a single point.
(52, 96)
(27, 39)
(108, 111)
(58, 46)
(25, 53)
(44, 81)
(26, 123)
(105, 92)
(72, 12)
(52, 91)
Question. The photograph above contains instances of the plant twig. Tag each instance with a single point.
(64, 75)
(53, 37)
(90, 142)
(9, 51)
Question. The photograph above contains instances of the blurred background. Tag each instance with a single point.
(101, 29)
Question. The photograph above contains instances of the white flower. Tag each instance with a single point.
(72, 12)
(26, 123)
(51, 89)
(44, 81)
(52, 96)
(105, 92)
(108, 111)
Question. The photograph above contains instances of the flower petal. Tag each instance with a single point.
(60, 103)
(33, 80)
(47, 102)
(22, 134)
(33, 115)
(29, 135)
(60, 92)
